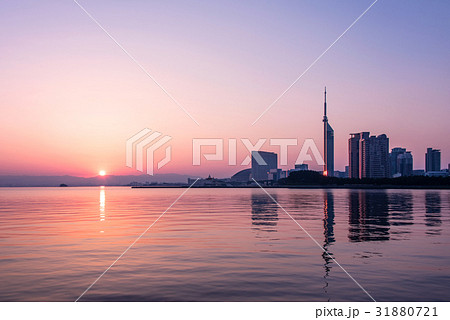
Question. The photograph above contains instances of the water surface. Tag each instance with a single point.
(224, 244)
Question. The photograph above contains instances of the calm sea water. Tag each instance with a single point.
(224, 245)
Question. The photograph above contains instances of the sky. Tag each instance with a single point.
(70, 97)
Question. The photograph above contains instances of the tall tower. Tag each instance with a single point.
(328, 141)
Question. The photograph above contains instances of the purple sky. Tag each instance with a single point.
(70, 97)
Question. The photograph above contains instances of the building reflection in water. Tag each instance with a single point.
(328, 232)
(102, 205)
(368, 216)
(264, 212)
(433, 213)
(401, 209)
(401, 214)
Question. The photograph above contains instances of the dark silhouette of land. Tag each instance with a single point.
(313, 178)
(297, 179)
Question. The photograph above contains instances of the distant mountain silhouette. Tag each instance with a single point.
(72, 181)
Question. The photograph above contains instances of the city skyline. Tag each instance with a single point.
(71, 97)
(199, 152)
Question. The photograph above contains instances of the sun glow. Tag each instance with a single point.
(102, 173)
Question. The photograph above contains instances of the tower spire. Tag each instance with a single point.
(328, 141)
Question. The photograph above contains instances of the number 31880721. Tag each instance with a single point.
(406, 311)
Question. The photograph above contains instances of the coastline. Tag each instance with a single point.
(303, 187)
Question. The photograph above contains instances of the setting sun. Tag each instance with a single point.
(102, 172)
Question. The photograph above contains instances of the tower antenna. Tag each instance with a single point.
(325, 134)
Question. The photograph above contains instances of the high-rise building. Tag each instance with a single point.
(375, 157)
(354, 153)
(432, 160)
(328, 141)
(262, 164)
(368, 156)
(401, 162)
(405, 164)
(395, 152)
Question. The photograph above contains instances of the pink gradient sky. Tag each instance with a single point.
(69, 97)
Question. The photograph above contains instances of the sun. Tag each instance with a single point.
(102, 173)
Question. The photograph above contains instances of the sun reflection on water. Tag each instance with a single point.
(102, 205)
